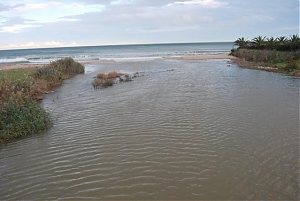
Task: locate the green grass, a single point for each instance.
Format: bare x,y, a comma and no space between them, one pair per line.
280,64
22,120
16,74
20,114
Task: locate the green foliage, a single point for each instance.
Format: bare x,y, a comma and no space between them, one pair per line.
16,74
67,66
14,91
291,66
270,56
107,83
281,43
20,114
18,120
241,42
280,64
49,73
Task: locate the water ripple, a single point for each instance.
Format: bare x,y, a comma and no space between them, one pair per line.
201,131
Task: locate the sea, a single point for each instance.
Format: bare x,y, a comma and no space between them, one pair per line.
114,52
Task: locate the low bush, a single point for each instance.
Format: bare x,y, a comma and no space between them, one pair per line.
50,74
271,56
18,120
291,66
67,66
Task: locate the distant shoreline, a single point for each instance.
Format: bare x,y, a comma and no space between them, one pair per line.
200,57
9,66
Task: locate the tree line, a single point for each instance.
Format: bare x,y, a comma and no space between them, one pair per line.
281,43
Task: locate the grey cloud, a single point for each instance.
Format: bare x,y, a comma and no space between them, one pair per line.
16,20
146,3
6,7
96,2
153,3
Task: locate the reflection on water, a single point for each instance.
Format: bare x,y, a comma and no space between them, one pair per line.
202,131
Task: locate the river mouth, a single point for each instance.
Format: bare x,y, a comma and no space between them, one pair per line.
202,131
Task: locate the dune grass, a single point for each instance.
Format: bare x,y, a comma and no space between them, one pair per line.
16,74
20,113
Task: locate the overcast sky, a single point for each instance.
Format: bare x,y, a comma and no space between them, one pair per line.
41,23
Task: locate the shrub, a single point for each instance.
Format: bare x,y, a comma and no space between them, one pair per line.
292,65
271,56
20,115
67,66
17,120
50,74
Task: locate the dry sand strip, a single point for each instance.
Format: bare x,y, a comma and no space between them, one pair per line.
201,57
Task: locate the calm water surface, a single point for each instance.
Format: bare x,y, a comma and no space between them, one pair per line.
202,131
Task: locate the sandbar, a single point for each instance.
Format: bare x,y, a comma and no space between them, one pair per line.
198,57
201,57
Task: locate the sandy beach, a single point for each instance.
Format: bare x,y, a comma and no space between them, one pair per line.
29,65
202,57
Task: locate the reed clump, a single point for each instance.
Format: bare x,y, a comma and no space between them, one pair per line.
67,67
20,113
104,80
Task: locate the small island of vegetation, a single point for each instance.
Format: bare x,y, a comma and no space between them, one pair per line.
279,54
20,113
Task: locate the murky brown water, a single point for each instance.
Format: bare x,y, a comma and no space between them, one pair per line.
202,131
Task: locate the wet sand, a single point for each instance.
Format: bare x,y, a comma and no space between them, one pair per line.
202,57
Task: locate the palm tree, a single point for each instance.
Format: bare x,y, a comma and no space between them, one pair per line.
241,42
271,43
281,43
281,40
294,42
259,42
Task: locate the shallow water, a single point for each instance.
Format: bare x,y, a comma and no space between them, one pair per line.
202,131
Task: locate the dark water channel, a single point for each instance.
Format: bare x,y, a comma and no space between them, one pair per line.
202,131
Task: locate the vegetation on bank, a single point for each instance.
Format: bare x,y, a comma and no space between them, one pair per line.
103,80
20,113
281,53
